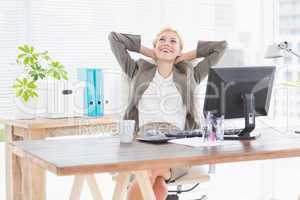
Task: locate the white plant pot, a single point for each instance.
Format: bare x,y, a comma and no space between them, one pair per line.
25,110
53,102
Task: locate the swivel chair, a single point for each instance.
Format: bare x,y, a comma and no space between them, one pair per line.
196,175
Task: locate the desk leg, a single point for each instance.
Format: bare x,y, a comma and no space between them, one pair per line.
26,184
94,188
13,168
77,187
121,186
34,177
145,185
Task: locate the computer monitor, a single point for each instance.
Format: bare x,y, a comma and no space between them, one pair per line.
239,92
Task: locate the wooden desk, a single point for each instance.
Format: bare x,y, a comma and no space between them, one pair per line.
93,155
20,174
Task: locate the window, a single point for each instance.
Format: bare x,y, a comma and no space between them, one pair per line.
298,52
75,32
288,29
288,59
12,27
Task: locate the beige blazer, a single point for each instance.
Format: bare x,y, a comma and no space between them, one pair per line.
141,72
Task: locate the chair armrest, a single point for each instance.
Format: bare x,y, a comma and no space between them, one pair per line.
195,174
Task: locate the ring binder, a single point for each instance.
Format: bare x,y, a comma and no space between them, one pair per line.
93,90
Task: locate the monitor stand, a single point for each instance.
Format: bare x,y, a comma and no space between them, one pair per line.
242,137
249,116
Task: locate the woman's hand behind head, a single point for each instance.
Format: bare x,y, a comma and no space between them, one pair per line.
147,52
179,59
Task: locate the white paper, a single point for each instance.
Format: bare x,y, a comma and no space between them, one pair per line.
194,142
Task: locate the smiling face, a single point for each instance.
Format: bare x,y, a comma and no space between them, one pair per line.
167,46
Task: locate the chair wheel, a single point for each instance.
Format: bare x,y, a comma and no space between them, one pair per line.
172,197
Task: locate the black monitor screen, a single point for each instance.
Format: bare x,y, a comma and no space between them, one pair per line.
226,85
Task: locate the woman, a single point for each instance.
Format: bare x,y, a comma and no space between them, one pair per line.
163,91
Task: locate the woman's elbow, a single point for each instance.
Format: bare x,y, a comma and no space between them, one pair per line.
221,47
224,45
112,36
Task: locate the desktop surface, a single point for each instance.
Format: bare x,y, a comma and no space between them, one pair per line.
96,155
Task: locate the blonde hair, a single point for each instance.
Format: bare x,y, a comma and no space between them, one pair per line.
165,29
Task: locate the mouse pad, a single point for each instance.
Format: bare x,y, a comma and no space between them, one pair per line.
156,140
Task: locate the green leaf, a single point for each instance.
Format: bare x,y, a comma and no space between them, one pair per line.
16,86
31,49
25,96
34,94
37,65
21,48
19,81
56,75
47,58
56,64
25,88
33,67
32,85
26,60
42,76
19,92
26,47
31,59
64,76
25,81
21,55
50,72
63,72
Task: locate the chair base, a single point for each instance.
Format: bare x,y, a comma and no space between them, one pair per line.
172,197
176,197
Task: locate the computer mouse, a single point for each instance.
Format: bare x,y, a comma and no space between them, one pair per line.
153,133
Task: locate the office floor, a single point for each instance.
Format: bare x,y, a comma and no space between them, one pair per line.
263,180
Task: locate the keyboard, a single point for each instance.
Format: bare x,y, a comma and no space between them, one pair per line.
233,131
185,134
198,133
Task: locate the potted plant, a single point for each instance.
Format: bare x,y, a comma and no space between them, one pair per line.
36,66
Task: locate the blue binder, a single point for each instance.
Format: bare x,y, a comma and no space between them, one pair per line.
93,99
99,92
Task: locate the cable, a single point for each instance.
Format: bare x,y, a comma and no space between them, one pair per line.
295,54
181,191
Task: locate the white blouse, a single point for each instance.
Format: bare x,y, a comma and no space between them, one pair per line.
162,102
